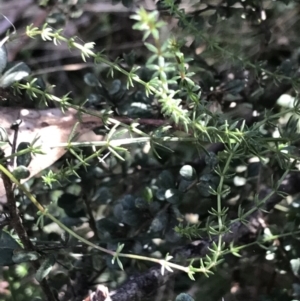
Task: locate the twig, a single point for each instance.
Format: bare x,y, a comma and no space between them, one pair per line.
21,232
92,222
15,127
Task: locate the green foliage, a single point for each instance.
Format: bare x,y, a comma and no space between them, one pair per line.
155,183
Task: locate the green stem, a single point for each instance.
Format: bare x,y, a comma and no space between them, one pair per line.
81,239
119,142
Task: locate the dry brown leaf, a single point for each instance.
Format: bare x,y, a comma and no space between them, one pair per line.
52,126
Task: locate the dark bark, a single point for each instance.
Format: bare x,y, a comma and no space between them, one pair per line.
16,223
